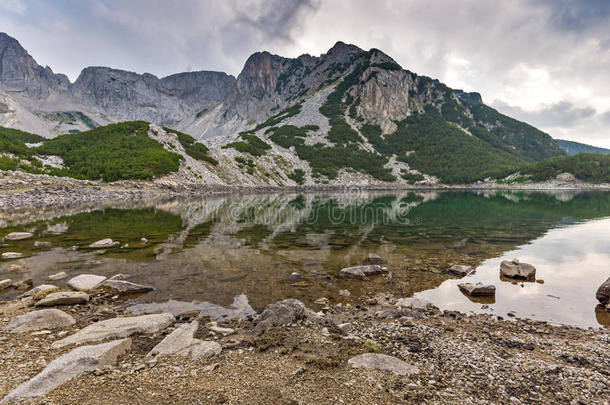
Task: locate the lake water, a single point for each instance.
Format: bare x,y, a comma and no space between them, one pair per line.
205,252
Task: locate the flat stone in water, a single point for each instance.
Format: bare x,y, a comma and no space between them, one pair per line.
86,282
117,328
382,362
461,270
362,272
478,289
64,298
103,243
124,287
18,235
68,366
518,270
58,276
11,255
38,320
40,288
6,283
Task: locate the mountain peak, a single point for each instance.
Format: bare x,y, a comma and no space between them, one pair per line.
341,48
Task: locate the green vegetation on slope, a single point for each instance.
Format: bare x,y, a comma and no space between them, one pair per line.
13,141
251,144
113,152
193,148
572,148
588,167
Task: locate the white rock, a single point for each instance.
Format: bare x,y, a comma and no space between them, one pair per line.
86,282
117,328
345,293
382,362
18,235
222,331
11,255
64,298
58,276
36,290
40,244
41,319
182,342
103,243
68,366
6,283
413,303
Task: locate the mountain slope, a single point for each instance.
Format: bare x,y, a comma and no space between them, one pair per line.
348,115
572,148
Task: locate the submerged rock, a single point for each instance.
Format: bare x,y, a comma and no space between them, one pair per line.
461,270
372,258
477,289
516,269
68,366
63,298
11,255
124,287
41,244
362,272
58,276
103,243
382,362
117,328
86,282
18,235
603,292
6,283
38,320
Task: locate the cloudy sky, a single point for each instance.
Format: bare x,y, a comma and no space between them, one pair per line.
546,62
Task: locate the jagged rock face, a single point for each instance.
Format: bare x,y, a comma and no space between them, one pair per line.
19,72
201,89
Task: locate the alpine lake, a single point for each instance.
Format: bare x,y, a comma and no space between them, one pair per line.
237,253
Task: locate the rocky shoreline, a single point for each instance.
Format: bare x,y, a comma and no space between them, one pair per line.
383,349
19,190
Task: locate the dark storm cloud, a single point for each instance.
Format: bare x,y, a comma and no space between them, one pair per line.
561,114
548,58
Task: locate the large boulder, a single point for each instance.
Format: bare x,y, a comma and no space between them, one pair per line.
461,270
68,366
518,270
478,289
38,320
86,282
18,235
281,313
362,272
603,292
382,362
117,328
64,298
182,342
124,287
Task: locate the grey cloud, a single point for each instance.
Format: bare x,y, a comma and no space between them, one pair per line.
560,114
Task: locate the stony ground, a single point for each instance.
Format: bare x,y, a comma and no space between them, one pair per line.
461,359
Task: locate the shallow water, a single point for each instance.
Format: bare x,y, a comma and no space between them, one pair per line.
210,250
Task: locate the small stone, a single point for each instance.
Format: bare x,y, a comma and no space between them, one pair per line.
222,331
345,327
413,303
144,240
345,293
63,298
6,283
321,301
58,276
86,282
124,287
18,235
40,244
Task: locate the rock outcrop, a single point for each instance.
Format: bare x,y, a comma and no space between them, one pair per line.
515,269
